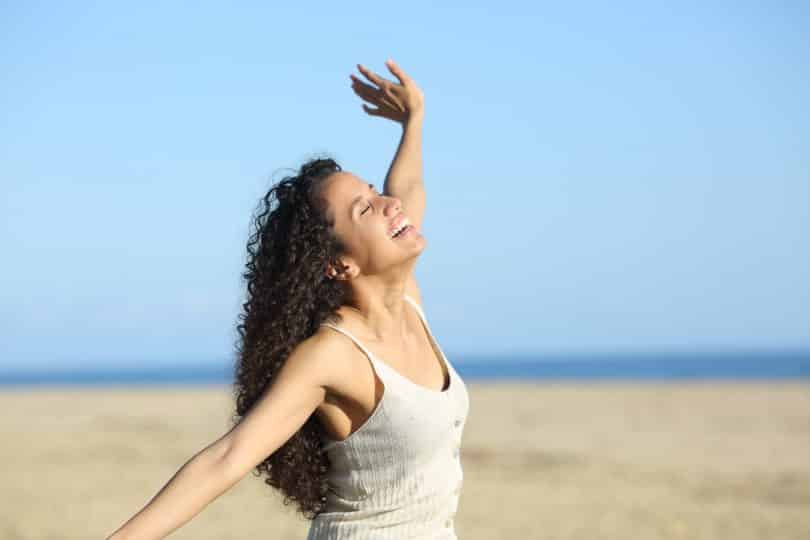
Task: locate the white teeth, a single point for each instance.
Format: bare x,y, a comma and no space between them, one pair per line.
405,223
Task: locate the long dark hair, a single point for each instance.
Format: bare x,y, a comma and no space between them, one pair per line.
288,296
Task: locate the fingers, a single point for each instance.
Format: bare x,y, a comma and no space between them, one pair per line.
370,75
376,96
386,98
393,99
384,113
397,71
376,100
360,86
372,112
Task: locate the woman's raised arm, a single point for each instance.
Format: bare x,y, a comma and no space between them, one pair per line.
404,103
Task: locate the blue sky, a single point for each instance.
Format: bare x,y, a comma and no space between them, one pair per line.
600,177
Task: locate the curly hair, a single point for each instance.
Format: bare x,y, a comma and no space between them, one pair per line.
288,296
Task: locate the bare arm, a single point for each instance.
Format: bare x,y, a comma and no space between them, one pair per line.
403,103
404,181
296,391
404,178
199,481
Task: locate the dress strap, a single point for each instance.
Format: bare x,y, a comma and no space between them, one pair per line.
417,307
363,347
354,339
435,344
421,313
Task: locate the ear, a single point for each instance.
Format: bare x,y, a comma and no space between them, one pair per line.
348,273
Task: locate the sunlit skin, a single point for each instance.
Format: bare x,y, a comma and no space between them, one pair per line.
378,264
313,378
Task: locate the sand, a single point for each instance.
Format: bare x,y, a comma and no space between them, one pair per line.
562,460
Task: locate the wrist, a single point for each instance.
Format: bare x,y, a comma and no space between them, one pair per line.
414,119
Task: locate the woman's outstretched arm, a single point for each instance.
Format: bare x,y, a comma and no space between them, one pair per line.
199,481
291,398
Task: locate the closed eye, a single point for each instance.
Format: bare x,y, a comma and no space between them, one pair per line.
371,186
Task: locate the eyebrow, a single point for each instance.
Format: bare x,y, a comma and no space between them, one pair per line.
357,200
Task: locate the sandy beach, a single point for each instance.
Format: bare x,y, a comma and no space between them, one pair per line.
548,460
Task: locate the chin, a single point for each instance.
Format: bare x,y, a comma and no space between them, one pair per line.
421,247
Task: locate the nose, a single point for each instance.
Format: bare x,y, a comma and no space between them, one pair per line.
393,206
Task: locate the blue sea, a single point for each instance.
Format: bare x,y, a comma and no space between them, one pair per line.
781,364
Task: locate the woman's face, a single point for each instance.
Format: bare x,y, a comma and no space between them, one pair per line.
364,220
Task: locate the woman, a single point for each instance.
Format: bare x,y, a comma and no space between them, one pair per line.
344,400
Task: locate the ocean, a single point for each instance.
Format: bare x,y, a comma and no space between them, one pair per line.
791,364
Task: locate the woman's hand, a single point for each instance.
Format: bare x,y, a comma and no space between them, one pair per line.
397,102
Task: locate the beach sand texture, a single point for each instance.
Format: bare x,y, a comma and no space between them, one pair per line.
547,460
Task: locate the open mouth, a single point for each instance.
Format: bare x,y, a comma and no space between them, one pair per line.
402,228
403,231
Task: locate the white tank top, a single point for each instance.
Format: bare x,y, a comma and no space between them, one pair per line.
399,474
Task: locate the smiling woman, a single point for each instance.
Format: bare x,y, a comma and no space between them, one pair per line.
362,445
366,228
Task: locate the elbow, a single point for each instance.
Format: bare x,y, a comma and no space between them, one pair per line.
238,460
224,460
231,467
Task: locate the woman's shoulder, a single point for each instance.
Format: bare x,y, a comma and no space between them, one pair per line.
339,357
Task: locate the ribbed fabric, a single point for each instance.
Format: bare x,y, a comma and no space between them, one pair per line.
399,475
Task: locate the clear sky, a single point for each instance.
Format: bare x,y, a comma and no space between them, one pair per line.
600,176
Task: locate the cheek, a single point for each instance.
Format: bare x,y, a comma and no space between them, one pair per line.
361,239
372,240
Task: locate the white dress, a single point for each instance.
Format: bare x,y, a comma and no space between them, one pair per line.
399,475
